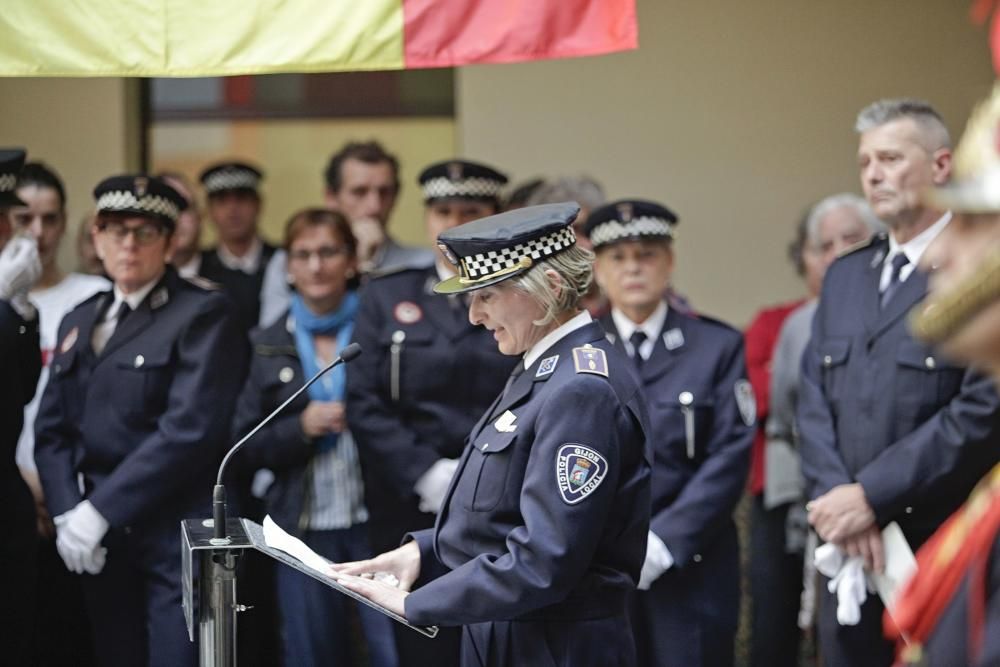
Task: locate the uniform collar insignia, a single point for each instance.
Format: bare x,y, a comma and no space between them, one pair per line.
159,298
546,366
673,339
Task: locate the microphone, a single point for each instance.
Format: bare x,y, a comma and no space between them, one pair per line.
349,353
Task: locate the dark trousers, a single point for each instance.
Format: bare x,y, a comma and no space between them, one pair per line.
62,629
135,601
775,589
861,645
18,546
601,642
316,620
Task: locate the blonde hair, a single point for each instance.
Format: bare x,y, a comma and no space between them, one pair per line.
575,267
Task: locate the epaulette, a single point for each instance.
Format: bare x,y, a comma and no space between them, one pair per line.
590,359
203,283
861,245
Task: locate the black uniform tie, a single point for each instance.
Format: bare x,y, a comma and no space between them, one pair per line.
637,338
898,262
514,374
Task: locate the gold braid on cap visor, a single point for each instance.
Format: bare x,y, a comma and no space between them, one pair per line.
941,316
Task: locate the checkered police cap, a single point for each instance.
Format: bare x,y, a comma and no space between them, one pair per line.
461,179
231,176
502,246
11,162
139,195
629,220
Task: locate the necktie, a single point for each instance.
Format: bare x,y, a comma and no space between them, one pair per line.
637,338
514,374
898,262
106,329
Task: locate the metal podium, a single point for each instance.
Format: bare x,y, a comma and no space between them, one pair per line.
209,585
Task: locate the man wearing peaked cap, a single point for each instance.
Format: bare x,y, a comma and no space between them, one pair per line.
692,372
20,267
949,612
132,424
426,376
542,531
239,260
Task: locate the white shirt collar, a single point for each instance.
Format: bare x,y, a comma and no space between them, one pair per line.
554,336
651,327
191,268
133,300
913,249
248,263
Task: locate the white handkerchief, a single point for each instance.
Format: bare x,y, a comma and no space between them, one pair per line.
276,538
505,423
900,565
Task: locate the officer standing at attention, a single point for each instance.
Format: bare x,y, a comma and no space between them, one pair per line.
425,377
542,532
890,430
20,268
239,260
701,412
133,423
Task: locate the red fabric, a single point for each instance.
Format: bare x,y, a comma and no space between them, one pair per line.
446,33
960,548
239,90
760,338
981,10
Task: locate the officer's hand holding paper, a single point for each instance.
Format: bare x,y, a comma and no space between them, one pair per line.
362,576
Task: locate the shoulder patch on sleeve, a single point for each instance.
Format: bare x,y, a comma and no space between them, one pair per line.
746,401
579,471
589,359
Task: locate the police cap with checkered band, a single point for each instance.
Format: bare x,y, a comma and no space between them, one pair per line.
502,246
229,176
629,220
138,194
11,161
460,179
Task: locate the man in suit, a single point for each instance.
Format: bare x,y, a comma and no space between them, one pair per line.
239,260
21,361
133,422
890,430
692,373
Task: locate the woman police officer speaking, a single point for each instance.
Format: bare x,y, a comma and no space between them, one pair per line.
543,529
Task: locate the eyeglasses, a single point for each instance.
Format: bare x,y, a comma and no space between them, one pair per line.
146,233
325,254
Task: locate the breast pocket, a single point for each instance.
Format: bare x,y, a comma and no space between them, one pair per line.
484,479
415,366
684,428
142,382
924,381
834,354
66,369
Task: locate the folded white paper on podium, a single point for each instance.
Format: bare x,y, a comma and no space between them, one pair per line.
276,538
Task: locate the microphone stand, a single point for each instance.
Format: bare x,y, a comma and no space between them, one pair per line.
209,579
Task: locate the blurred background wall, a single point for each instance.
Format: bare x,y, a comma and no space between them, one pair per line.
737,115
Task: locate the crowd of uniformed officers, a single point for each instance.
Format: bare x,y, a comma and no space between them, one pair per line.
544,440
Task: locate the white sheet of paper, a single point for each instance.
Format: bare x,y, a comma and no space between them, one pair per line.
900,564
276,538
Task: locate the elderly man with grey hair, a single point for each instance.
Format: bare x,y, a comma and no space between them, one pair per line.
778,534
890,432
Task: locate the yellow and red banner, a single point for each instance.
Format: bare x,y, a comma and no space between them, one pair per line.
228,37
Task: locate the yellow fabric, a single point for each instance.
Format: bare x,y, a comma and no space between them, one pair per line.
197,37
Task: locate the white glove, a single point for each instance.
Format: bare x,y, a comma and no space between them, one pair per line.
78,538
847,581
20,267
658,560
433,484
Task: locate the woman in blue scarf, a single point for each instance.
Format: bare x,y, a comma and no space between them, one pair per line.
317,491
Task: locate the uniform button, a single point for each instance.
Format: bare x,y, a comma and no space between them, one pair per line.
696,558
58,368
139,360
930,363
127,530
909,510
486,446
398,336
22,329
685,398
827,360
286,374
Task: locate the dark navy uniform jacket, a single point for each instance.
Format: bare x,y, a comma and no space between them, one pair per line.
281,446
425,377
147,421
510,545
694,491
22,363
880,408
243,288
